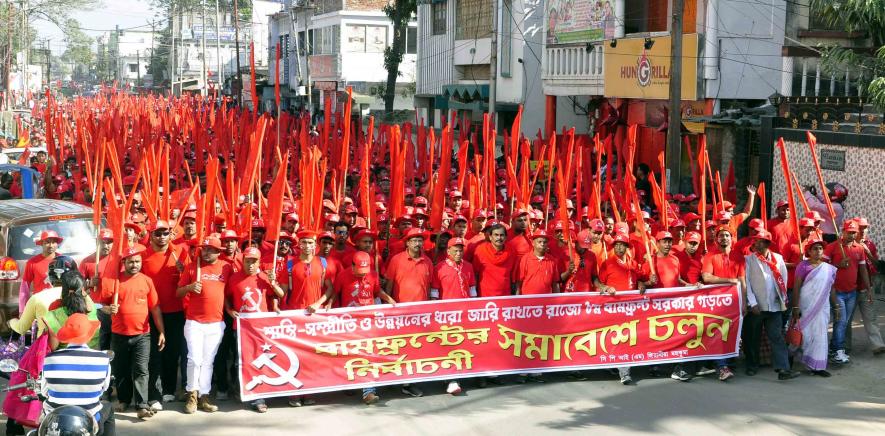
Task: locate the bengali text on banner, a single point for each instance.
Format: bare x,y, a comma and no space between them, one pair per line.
295,353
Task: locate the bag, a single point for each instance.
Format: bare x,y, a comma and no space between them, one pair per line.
794,335
27,413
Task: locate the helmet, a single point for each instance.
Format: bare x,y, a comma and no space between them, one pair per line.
837,191
59,266
68,421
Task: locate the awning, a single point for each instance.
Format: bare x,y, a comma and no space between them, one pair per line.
362,98
467,92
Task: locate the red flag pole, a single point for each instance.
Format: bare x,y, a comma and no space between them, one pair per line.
812,143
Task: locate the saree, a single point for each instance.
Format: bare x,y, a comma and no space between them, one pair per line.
814,303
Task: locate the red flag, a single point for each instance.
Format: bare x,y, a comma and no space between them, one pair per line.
730,188
791,200
275,200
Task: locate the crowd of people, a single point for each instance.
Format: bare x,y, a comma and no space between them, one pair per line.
163,312
168,310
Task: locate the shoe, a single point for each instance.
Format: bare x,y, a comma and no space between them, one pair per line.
206,406
156,406
453,388
681,375
307,401
821,373
725,373
655,372
751,371
495,380
168,398
412,391
705,370
626,380
787,374
120,407
522,378
295,402
221,396
190,402
578,375
145,413
840,357
370,398
259,406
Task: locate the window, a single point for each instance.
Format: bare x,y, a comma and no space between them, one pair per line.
133,68
324,40
411,40
506,42
365,39
474,19
438,14
284,58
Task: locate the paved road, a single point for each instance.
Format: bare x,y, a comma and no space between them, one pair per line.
851,402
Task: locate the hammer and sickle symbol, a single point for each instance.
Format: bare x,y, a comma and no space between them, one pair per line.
283,376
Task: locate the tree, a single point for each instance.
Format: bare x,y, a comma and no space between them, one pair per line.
857,15
399,12
79,47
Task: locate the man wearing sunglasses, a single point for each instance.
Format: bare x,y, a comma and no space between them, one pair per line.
163,263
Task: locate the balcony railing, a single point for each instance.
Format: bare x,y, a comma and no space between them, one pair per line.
568,68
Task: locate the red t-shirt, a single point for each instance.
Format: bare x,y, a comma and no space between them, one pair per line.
472,244
341,255
623,275
537,275
586,269
307,280
453,280
208,305
667,269
248,293
164,268
690,266
87,270
356,291
791,254
495,269
36,271
520,245
235,261
411,277
847,279
722,265
136,297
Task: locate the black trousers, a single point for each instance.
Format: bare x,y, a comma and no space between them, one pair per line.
168,361
130,368
226,358
752,337
104,332
154,364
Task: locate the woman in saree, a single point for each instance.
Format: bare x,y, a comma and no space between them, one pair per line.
812,295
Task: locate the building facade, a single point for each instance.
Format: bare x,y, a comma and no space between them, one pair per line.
129,56
339,43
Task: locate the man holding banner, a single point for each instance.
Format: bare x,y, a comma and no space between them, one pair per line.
717,267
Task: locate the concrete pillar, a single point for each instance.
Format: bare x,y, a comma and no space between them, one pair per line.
549,115
787,77
619,18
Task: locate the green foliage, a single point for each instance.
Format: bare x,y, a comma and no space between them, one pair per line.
857,15
399,12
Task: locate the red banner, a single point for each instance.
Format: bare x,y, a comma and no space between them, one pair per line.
294,353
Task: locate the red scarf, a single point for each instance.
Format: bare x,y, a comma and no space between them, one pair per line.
776,273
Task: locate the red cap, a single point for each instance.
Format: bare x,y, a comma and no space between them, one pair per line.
307,234
455,194
212,242
133,226
325,235
850,226
711,224
132,251
332,217
540,234
726,205
106,235
724,228
781,204
489,223
160,224
679,197
350,210
723,215
415,232
292,217
479,213
806,222
421,201
364,234
693,237
190,215
521,212
584,240
329,205
251,253
456,241
229,234
862,222
409,190
380,207
596,225
362,262
382,218
460,218
403,218
620,237
764,235
690,216
677,223
78,329
286,236
258,223
219,219
420,211
756,224
537,199
47,235
814,241
814,215
663,234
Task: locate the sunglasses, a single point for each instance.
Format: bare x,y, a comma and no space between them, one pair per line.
341,232
160,234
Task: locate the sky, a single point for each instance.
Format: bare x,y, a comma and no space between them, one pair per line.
125,13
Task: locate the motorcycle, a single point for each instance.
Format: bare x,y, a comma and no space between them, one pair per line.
65,420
